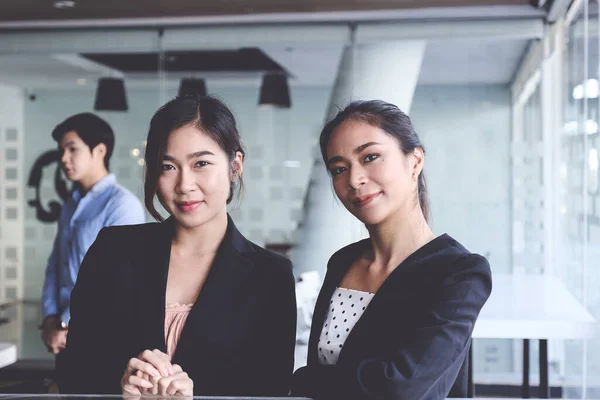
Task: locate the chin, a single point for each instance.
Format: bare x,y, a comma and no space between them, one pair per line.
193,220
189,221
370,217
73,178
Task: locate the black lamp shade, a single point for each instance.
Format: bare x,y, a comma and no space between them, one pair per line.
110,95
192,86
274,91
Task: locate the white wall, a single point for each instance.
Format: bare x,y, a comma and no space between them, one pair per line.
466,131
11,193
274,193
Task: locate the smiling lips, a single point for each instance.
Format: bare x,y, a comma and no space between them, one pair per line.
188,205
362,201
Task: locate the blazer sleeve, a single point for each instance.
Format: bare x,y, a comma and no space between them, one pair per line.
87,363
272,358
416,369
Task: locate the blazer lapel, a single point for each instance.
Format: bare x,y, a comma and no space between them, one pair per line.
210,317
150,280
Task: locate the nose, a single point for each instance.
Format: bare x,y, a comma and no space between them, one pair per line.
357,177
64,157
186,182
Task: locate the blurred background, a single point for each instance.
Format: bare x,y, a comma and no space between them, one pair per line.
504,94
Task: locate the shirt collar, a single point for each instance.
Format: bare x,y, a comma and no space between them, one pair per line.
98,188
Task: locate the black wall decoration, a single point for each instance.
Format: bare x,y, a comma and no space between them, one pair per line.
60,185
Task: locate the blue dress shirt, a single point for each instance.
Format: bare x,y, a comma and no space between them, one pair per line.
82,217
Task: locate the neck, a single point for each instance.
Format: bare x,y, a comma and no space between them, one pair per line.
396,238
201,240
88,182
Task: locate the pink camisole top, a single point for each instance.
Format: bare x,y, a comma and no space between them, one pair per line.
175,316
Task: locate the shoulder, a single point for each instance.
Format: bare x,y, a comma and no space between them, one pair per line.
348,254
125,235
119,196
460,268
268,267
268,260
456,257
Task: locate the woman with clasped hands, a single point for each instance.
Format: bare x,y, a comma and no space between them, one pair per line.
186,306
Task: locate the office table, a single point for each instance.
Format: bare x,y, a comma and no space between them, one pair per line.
107,397
117,397
8,354
532,307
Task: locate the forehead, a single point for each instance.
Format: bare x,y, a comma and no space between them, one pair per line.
352,133
70,137
189,139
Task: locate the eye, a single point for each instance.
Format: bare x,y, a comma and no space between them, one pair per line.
167,167
337,171
371,157
201,164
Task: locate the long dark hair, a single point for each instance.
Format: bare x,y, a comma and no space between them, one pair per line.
392,121
205,113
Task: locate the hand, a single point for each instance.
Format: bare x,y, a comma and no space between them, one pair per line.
54,339
143,372
179,383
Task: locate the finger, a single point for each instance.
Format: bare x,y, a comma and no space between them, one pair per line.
144,376
163,384
154,390
154,380
137,381
173,388
127,389
162,355
166,382
165,358
182,387
179,386
176,368
157,361
135,364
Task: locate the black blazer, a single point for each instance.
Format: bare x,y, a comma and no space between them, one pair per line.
238,339
412,340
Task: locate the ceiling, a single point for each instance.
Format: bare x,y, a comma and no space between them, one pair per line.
240,60
445,62
471,61
39,10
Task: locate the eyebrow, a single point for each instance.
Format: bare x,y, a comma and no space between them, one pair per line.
357,150
197,154
69,143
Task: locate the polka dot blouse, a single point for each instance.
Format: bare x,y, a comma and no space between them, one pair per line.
345,309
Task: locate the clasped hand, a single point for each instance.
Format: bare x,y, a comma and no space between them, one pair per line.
151,372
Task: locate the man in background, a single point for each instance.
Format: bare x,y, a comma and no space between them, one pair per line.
86,143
